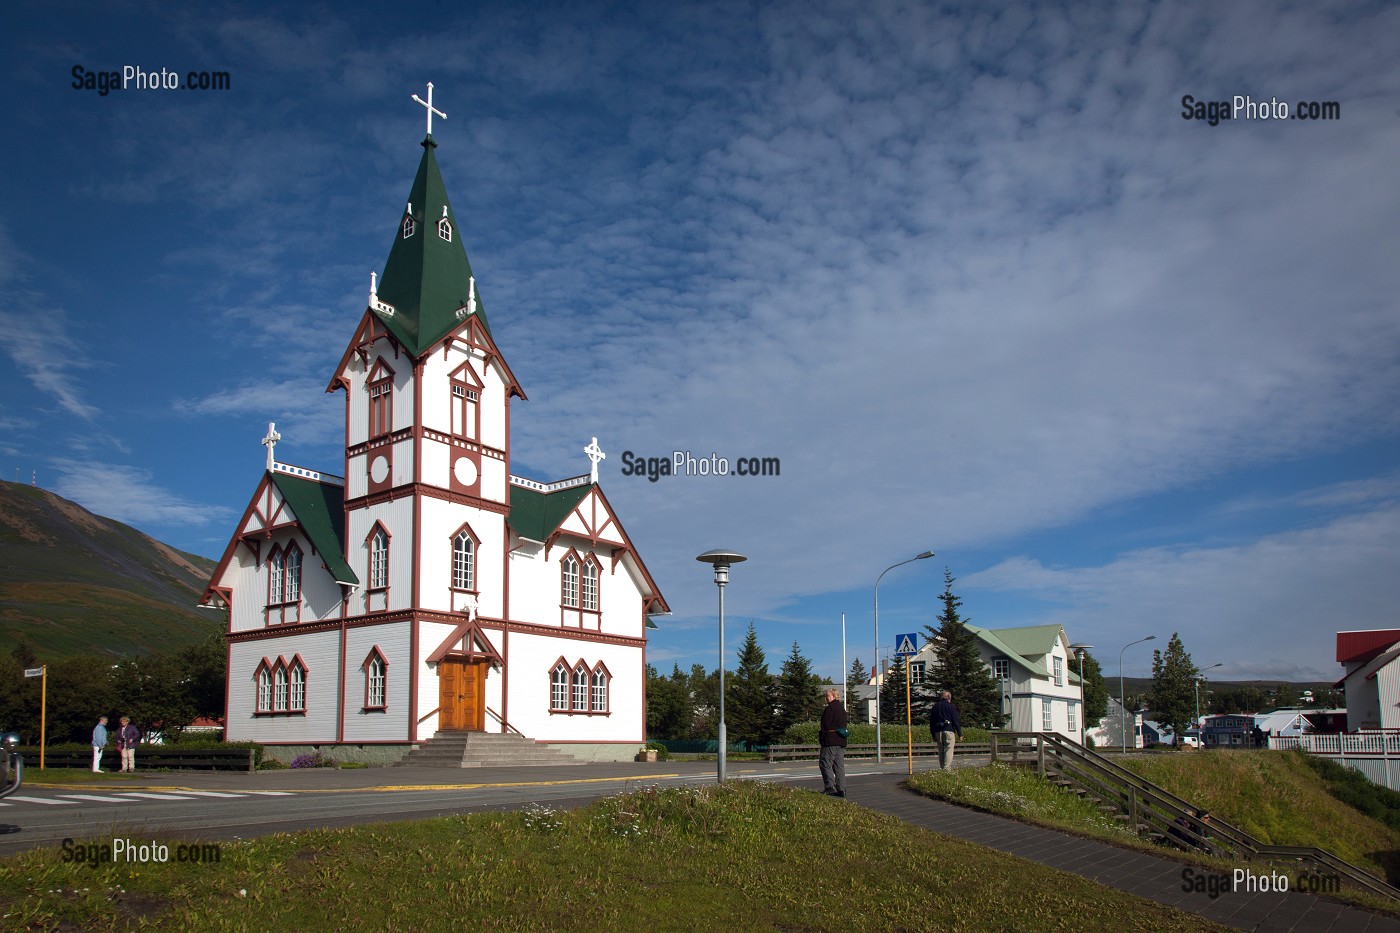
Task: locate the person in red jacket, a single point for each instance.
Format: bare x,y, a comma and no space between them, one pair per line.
833,742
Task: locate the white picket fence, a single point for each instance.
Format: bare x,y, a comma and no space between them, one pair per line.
1375,754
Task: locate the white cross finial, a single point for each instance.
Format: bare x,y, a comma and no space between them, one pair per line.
595,454
270,442
431,109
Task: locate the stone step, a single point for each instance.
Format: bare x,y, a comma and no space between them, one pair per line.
485,750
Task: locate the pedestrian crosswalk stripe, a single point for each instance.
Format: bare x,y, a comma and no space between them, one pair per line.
137,793
94,797
52,803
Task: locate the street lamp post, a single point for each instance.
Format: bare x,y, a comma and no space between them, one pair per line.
721,560
879,748
1079,648
1198,698
1123,697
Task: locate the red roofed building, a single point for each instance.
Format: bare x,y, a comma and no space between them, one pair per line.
1372,679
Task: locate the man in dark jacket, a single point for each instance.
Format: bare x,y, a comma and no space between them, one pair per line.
944,723
833,743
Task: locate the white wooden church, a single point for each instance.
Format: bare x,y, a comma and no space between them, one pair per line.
429,589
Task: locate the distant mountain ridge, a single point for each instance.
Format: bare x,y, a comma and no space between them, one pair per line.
74,583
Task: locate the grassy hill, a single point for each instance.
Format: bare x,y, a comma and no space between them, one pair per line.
1277,797
73,583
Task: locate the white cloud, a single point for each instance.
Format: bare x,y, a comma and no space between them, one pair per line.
129,495
1270,607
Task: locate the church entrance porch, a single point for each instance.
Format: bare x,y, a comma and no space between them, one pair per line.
461,695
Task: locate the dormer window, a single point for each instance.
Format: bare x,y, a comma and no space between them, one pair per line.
408,227
445,229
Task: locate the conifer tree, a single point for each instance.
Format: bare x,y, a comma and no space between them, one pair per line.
892,694
856,678
799,693
958,667
749,696
1173,698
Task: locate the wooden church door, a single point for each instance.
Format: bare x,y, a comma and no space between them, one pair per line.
461,695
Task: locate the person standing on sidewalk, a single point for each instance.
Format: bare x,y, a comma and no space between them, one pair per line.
945,724
832,760
99,742
128,737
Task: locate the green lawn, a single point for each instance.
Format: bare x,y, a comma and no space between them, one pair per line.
742,857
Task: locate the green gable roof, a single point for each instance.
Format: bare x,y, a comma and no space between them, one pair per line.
1023,644
426,278
319,509
535,515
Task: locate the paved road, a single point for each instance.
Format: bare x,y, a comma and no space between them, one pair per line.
231,806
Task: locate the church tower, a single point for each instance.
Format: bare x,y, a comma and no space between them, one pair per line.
429,590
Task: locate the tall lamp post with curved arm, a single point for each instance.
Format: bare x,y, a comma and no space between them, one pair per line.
879,749
1123,697
721,559
1079,648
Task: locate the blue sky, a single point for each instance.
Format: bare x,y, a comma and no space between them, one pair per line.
967,271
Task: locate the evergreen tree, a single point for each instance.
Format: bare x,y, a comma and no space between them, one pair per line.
1095,690
669,712
957,665
749,696
892,694
1173,697
799,694
703,688
856,678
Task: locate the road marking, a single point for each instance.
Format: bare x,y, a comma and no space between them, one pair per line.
43,800
155,796
211,793
94,797
272,793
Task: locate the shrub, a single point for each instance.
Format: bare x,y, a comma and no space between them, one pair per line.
311,760
272,764
662,754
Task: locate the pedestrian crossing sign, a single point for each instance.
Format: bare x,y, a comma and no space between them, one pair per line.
906,645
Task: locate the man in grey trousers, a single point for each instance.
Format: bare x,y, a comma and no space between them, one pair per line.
833,743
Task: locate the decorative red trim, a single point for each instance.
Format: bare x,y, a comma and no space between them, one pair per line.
421,615
430,492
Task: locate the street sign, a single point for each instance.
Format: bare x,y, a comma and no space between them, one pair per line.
906,645
33,672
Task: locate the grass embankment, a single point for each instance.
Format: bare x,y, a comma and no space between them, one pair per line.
1277,797
1019,792
745,856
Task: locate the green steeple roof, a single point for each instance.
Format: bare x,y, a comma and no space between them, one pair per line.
427,279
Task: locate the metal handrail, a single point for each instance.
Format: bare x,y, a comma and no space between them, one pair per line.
497,716
1145,802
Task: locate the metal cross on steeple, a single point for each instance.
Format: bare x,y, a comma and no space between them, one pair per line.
595,453
431,109
270,442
